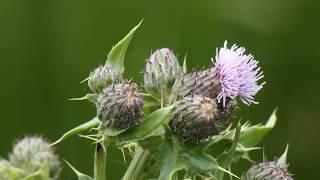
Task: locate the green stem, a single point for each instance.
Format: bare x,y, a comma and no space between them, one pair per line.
230,154
137,164
100,158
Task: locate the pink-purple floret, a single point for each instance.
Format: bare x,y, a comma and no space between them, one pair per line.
238,74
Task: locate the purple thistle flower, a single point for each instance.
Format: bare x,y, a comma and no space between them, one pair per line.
238,74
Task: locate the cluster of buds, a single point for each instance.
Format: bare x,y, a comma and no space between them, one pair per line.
31,156
204,100
233,75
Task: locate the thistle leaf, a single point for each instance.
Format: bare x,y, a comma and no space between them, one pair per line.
95,122
172,156
148,125
233,146
251,136
150,103
80,175
118,52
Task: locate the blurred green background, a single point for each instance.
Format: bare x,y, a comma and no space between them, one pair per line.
48,47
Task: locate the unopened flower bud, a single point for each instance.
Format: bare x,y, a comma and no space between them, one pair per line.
102,76
119,106
161,71
196,118
32,154
268,171
202,83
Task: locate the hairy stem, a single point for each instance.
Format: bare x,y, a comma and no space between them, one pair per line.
100,160
137,164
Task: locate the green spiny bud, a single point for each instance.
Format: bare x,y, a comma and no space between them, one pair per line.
119,106
200,82
32,154
161,71
103,76
268,171
196,118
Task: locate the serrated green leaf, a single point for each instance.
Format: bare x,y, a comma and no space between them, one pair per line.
251,136
167,158
172,156
148,125
95,122
80,175
117,54
150,103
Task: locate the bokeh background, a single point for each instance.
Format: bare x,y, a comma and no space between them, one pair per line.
48,47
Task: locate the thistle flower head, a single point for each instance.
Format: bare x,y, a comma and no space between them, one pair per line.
197,117
268,171
238,74
34,153
161,71
103,76
119,106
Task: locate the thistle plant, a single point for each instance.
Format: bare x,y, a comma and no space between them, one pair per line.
32,158
177,125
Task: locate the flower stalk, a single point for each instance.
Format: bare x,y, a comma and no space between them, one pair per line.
137,164
100,158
